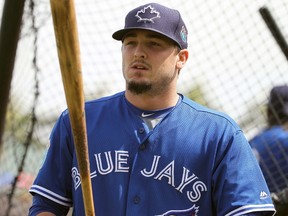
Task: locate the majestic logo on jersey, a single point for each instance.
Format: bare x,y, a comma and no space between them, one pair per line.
193,211
147,14
263,195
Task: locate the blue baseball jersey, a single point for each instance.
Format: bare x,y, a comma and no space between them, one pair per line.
195,161
271,148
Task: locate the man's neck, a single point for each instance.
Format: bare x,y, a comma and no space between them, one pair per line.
148,102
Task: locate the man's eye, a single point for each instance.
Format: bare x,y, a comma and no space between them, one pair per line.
129,43
153,43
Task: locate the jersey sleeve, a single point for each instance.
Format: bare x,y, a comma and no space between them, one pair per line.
239,186
54,178
42,204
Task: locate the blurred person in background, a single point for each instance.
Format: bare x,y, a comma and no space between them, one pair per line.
271,148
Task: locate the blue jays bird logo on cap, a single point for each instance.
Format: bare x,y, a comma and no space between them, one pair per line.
147,14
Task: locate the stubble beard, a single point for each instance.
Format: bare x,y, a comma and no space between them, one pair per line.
152,89
139,88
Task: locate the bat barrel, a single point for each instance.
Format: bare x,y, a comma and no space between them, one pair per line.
65,28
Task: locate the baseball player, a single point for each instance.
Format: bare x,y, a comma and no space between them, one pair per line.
271,148
152,150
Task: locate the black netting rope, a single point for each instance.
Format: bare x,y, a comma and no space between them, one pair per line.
29,137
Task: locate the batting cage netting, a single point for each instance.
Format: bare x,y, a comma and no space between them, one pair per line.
233,64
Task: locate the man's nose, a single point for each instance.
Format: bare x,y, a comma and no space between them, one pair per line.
139,52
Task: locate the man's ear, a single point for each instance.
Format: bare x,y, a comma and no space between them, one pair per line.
182,58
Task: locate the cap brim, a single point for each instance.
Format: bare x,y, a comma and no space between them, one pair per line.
118,35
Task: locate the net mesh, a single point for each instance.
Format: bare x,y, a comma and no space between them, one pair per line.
234,62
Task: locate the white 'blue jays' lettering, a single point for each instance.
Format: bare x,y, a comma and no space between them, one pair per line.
121,165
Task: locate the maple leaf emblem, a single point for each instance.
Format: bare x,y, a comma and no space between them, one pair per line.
147,14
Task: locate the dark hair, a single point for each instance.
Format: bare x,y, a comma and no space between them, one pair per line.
277,110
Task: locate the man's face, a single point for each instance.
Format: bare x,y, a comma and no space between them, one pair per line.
149,62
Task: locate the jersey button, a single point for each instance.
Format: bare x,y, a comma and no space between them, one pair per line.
141,130
136,199
142,147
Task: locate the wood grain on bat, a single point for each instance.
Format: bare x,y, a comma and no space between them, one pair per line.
65,28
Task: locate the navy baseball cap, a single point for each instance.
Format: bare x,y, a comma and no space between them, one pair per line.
279,99
157,18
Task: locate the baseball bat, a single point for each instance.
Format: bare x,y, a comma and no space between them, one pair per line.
66,34
274,29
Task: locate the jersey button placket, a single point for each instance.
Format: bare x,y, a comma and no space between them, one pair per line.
141,130
136,199
142,136
142,146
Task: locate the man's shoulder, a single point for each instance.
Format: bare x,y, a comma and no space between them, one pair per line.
208,113
114,100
